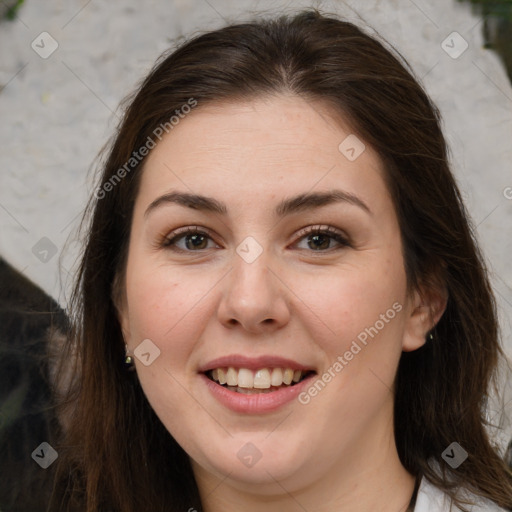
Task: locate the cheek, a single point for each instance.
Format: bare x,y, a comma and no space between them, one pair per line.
166,305
350,301
358,323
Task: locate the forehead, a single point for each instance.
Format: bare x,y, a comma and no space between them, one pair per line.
266,146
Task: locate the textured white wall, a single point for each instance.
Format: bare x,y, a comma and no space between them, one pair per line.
58,112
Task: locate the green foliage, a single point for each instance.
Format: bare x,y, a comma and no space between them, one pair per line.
9,9
499,8
497,27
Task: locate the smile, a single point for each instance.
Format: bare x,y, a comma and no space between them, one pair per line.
263,380
255,385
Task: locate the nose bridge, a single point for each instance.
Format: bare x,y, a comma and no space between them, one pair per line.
253,297
253,278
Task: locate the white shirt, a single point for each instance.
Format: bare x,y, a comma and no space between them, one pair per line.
433,499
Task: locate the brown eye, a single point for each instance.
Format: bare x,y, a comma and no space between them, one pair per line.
321,239
196,241
319,242
189,240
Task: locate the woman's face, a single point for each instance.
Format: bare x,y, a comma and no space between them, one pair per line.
265,248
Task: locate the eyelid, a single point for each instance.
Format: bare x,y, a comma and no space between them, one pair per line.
341,240
173,236
320,228
339,236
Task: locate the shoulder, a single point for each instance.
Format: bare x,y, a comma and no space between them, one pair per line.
433,499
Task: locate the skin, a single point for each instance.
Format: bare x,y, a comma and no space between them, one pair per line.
337,452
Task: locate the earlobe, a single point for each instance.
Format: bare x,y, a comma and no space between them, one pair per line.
426,310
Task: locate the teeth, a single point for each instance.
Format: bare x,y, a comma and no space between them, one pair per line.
277,377
249,391
244,391
245,378
232,377
263,379
288,376
222,376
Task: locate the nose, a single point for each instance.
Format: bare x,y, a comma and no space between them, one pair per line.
253,298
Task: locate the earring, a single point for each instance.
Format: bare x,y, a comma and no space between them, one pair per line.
128,360
430,337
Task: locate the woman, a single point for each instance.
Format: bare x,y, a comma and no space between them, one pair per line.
279,246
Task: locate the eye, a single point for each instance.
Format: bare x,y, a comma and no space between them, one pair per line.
321,239
189,239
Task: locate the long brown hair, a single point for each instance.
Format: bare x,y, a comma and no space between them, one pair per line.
117,455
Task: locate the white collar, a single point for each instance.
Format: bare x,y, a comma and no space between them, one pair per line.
433,499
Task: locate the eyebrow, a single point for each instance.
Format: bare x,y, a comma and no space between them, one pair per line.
295,204
312,200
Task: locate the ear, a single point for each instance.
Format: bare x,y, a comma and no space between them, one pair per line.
427,305
118,297
122,317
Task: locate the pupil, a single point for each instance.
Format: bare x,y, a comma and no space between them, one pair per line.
321,241
195,241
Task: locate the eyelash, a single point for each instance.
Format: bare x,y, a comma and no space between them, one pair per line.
173,237
170,240
329,231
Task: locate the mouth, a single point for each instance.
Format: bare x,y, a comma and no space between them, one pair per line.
260,381
255,385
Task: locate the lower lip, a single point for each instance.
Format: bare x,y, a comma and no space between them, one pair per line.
257,403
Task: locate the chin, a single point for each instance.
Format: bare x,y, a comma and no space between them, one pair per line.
257,460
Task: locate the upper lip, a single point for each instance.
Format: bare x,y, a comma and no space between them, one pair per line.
253,363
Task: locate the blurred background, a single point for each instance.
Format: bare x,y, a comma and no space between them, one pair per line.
66,64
